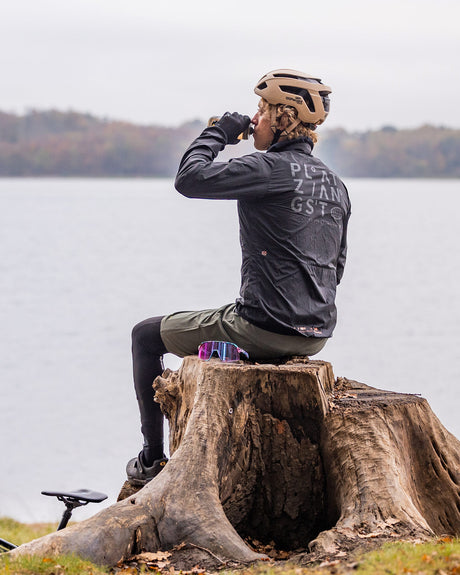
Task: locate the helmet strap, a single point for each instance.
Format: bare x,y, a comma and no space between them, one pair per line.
278,133
289,129
276,137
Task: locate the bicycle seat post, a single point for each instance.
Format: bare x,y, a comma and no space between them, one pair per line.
65,517
70,505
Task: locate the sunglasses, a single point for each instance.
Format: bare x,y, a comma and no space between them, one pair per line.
225,351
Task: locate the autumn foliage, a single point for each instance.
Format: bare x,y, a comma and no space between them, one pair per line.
425,152
55,143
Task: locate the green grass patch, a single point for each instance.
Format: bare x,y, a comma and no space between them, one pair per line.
19,533
436,557
441,556
62,565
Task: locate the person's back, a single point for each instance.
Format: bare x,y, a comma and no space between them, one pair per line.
293,244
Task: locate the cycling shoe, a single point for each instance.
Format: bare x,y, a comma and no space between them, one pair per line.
139,474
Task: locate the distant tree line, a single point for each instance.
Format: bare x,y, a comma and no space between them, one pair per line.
55,143
425,152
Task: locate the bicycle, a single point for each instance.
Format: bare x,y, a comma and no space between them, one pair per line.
71,500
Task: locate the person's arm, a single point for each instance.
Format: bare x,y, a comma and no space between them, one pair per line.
343,250
200,177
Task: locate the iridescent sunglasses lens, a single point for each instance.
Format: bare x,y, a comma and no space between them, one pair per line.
225,351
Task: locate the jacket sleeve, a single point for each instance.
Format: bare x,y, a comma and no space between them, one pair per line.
240,178
343,249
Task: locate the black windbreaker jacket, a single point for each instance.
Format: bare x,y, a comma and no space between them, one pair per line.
293,214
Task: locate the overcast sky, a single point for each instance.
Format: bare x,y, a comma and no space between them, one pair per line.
388,62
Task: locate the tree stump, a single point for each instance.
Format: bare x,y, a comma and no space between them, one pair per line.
283,453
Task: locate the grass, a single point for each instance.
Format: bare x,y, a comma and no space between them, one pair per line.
440,557
437,557
19,533
62,565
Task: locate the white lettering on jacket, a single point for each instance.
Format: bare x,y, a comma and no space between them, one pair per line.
320,196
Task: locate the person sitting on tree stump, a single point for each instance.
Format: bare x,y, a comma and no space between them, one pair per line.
293,215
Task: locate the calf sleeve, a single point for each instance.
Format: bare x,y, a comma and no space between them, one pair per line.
148,350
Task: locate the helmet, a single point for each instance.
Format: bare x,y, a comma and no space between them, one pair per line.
302,91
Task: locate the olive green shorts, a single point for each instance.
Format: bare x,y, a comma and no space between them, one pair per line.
183,331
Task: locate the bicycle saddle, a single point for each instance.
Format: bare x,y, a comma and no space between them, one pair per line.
85,495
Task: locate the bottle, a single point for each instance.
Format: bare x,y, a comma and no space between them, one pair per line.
243,136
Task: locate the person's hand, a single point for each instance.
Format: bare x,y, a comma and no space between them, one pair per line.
233,125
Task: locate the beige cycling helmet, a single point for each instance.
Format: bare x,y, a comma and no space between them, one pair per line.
303,92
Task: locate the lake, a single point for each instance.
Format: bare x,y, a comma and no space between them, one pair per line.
83,260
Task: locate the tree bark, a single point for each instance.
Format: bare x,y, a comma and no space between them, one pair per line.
283,453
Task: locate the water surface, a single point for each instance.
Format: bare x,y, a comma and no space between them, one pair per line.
82,261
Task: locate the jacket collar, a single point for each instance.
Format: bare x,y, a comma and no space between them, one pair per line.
302,144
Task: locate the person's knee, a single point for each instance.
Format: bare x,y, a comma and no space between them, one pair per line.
146,336
138,335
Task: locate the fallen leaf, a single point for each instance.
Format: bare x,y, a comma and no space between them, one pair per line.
427,558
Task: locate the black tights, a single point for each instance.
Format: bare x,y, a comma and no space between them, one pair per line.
148,350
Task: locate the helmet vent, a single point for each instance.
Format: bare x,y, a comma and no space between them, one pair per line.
262,86
285,75
326,101
297,77
304,94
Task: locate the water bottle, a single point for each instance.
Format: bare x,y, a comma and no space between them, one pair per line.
243,136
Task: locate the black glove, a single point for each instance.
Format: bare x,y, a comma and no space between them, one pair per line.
233,125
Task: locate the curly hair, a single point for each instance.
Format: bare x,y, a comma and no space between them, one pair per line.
285,115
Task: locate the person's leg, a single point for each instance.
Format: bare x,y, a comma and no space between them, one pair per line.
147,350
182,333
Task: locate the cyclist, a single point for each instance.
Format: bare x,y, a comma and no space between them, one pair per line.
293,214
